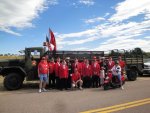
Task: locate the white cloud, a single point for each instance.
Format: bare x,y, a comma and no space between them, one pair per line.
89,32
82,41
80,49
20,13
130,8
125,29
87,2
119,34
93,20
124,44
115,34
107,14
9,31
52,2
147,37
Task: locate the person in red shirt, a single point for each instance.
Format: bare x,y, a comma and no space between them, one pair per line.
83,63
51,65
70,71
110,63
57,65
122,64
63,75
95,72
87,75
109,74
76,79
77,65
43,71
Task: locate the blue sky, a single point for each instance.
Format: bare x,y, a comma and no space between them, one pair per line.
77,24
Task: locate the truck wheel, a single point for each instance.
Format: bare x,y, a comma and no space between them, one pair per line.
12,81
132,76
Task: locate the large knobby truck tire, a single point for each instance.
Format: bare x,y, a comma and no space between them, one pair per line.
132,75
13,81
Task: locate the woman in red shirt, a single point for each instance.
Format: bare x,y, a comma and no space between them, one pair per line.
95,73
77,65
87,75
63,75
51,65
110,63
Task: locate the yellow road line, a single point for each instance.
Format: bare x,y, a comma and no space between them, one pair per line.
116,106
124,107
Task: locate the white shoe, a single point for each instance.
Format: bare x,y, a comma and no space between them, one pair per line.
80,88
40,90
122,87
44,89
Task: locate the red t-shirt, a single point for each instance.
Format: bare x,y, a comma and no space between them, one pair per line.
110,64
43,67
51,67
95,68
122,64
109,74
63,71
57,65
78,66
75,76
87,70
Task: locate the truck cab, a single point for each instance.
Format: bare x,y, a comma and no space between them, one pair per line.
16,70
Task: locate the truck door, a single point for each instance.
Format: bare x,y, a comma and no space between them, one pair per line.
31,63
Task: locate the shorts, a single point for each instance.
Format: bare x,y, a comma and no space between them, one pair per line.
43,77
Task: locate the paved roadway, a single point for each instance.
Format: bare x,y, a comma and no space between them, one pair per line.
28,100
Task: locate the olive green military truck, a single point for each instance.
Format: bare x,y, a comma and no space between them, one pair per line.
15,71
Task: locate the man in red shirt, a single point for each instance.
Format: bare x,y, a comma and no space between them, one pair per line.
43,71
63,75
76,79
95,72
87,75
51,65
57,65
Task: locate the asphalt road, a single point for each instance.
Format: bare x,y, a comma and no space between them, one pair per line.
28,100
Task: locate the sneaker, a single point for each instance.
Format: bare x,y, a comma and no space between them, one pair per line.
44,89
80,88
122,87
40,90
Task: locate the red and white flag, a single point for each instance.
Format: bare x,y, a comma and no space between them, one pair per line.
52,41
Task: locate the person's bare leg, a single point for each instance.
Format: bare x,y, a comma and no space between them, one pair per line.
80,84
40,86
44,86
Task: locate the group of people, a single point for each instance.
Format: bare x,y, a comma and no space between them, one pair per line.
66,74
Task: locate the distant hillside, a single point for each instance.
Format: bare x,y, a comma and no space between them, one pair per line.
11,57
